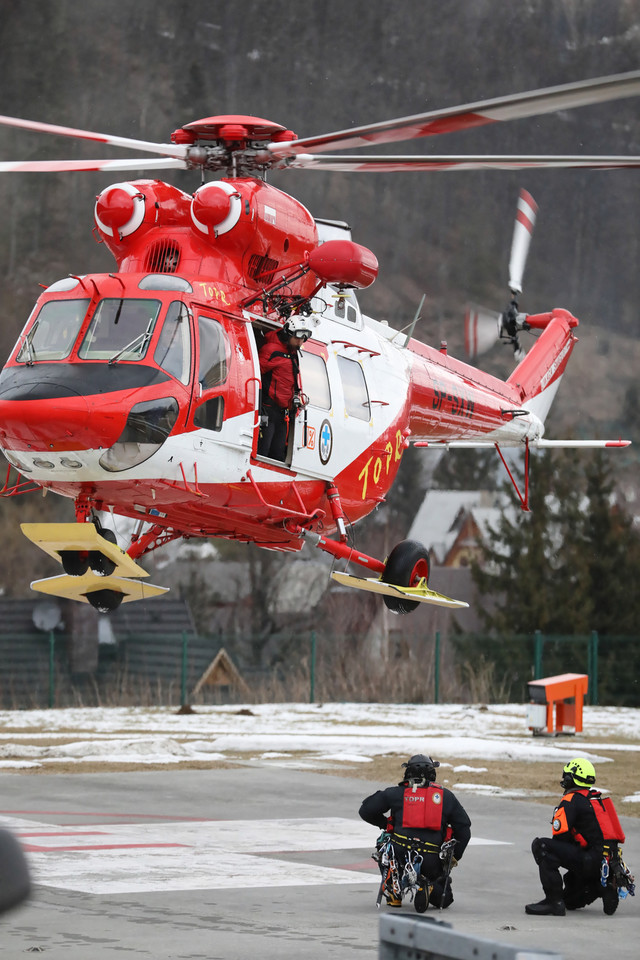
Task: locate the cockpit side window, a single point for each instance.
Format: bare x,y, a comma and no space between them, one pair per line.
54,332
120,330
214,353
173,349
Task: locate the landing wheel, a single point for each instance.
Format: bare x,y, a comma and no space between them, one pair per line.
75,563
408,563
105,601
100,564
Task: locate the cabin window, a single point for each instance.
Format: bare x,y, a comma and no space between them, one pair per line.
214,353
210,414
162,281
356,395
315,380
120,330
345,310
54,332
172,352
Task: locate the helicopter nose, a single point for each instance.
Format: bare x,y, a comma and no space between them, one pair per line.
63,421
41,425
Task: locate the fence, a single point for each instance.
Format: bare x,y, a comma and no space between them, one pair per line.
612,664
35,670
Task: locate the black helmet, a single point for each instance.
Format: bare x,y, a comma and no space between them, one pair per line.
420,767
578,773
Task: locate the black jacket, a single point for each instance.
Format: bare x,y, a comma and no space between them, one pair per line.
574,821
374,810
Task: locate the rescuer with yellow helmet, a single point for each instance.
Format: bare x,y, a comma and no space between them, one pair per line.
583,826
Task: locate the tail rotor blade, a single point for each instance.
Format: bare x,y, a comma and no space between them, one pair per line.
481,330
522,233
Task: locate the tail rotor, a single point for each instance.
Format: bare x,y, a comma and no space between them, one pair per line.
483,327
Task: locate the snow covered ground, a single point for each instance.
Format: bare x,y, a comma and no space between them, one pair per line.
308,736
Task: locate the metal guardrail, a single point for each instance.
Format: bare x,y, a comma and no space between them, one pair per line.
425,938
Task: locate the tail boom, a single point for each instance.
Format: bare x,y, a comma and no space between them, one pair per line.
541,370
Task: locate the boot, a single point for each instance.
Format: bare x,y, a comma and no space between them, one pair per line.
609,899
421,899
545,908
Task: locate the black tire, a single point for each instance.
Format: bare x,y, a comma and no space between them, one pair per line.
75,563
105,601
408,562
100,564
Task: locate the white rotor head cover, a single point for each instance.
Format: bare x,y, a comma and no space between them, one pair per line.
522,233
216,207
119,209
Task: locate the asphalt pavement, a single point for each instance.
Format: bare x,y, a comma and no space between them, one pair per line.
261,861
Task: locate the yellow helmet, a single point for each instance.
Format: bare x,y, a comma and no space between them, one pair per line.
579,773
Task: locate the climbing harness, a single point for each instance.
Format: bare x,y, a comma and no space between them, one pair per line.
400,859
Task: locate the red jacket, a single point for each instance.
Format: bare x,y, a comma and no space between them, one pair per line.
279,369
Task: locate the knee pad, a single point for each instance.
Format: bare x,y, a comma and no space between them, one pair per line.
539,849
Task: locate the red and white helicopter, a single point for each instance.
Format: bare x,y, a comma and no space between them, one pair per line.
138,392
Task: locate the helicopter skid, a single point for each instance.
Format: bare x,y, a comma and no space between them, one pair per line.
80,537
421,593
79,588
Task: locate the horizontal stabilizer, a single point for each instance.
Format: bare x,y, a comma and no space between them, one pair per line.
534,444
421,592
80,537
78,588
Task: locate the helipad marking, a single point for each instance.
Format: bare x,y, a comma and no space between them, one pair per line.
202,855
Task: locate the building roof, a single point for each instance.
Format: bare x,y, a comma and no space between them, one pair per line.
437,522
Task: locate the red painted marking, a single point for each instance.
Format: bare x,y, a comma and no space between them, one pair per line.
84,813
64,833
364,865
33,848
463,121
526,196
522,218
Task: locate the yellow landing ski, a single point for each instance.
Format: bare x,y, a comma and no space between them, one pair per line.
78,537
79,588
421,592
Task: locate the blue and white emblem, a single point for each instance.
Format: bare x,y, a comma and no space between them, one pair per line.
326,441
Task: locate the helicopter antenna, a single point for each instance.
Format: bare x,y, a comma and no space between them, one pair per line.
415,320
410,326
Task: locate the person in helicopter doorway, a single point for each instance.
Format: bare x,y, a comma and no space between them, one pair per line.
586,833
425,832
280,368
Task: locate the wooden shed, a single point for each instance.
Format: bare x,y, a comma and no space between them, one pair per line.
221,672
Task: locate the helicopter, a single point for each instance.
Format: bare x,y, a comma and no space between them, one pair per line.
138,393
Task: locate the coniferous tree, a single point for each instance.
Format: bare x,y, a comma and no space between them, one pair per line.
568,566
613,556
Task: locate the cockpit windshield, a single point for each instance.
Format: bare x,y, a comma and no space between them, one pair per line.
54,332
120,330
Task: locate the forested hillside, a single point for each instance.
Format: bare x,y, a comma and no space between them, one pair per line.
143,68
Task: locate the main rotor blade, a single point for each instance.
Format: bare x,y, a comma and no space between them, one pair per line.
448,120
55,166
391,164
167,149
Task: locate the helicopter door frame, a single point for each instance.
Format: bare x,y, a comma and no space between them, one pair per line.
311,442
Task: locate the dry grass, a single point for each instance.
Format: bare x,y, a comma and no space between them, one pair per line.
538,781
619,777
